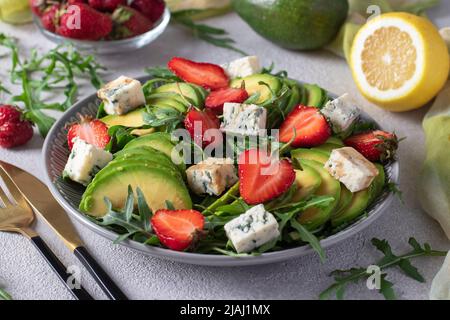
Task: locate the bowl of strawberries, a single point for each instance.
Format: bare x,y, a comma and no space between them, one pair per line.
101,26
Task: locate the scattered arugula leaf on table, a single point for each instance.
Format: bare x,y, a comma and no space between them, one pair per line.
343,278
58,69
4,295
215,36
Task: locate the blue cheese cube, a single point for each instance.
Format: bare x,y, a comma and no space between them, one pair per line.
121,95
243,67
341,113
85,160
252,229
211,176
351,168
244,119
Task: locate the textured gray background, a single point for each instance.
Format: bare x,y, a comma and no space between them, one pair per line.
24,274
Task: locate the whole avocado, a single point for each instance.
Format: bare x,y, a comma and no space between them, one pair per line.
294,24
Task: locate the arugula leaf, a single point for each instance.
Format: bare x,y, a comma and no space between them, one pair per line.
344,277
157,117
4,295
126,219
57,69
120,136
215,36
162,73
310,238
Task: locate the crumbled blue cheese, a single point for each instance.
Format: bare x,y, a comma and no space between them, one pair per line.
351,168
242,67
244,119
341,113
211,176
121,95
85,160
252,229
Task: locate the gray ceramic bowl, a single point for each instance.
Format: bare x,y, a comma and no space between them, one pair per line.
55,155
113,46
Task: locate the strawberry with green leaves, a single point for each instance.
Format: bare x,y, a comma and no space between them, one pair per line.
376,145
129,23
90,25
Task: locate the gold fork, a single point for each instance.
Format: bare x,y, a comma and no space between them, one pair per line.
18,217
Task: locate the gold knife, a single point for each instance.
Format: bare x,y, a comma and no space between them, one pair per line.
41,200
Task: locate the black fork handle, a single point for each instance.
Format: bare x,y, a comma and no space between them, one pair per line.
101,277
79,293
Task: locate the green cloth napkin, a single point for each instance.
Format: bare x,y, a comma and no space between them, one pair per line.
434,191
358,15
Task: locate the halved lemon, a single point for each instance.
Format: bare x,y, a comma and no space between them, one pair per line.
399,61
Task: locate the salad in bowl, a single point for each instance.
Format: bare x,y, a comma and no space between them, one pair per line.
232,159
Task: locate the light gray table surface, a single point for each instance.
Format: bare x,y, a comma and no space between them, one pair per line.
25,275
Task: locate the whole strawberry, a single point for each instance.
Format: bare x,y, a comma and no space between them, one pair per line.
14,130
375,145
38,6
90,25
129,23
92,131
50,18
106,5
152,9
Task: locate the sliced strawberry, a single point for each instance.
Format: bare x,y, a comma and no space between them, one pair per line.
375,145
207,75
263,178
198,122
216,99
308,125
177,229
92,131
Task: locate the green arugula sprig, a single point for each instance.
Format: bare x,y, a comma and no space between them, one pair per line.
135,226
343,278
120,136
215,36
4,295
169,119
57,69
162,73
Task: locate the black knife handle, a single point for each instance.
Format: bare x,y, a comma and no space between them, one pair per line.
101,277
59,268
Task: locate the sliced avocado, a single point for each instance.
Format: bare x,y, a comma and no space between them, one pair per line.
344,200
361,200
310,154
142,132
132,119
336,141
201,92
171,96
354,209
294,99
327,147
304,96
157,186
144,152
308,181
183,89
313,218
378,183
167,102
252,85
315,95
121,164
159,141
